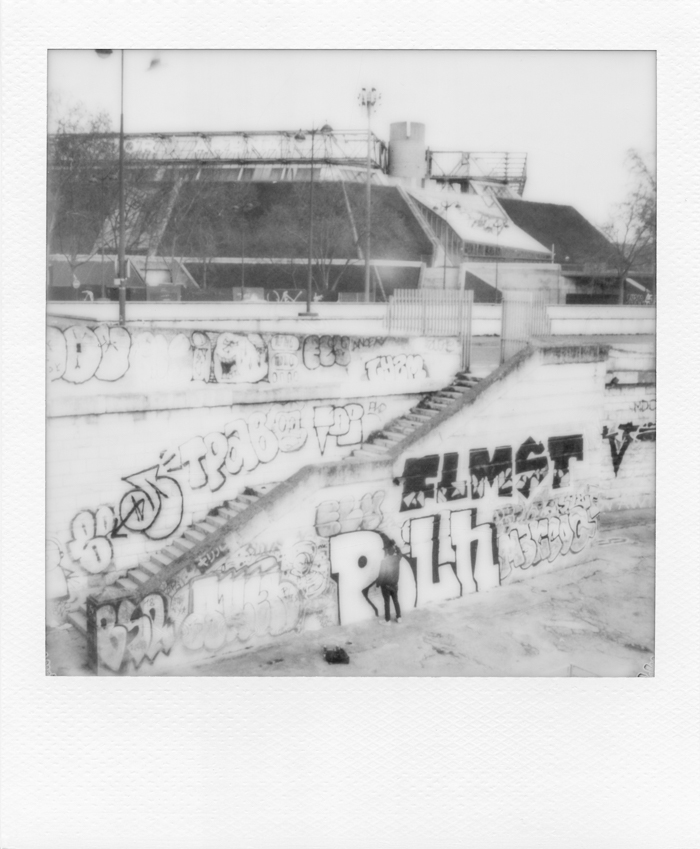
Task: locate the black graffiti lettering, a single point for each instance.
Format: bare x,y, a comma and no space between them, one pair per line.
618,450
530,469
416,489
561,450
498,470
450,489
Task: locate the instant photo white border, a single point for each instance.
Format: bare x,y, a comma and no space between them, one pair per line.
294,762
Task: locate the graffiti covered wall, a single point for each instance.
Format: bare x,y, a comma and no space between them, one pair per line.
506,486
109,359
121,486
151,427
320,564
628,434
467,513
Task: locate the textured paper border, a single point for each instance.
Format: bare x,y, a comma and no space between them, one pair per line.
363,762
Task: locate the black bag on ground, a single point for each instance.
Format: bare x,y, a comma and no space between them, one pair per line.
335,655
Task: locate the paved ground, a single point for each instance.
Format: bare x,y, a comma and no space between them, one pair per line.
593,619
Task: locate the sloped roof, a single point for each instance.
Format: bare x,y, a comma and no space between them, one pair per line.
484,293
574,238
477,219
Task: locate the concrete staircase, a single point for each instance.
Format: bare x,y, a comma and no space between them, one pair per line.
438,257
154,571
432,405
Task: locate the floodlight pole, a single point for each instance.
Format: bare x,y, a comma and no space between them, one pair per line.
368,98
309,277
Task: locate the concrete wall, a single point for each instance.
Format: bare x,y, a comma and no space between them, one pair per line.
508,485
523,276
576,320
152,426
628,473
342,319
88,361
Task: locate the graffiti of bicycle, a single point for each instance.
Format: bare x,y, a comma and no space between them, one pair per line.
285,296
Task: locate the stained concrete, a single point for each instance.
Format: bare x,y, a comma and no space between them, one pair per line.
595,619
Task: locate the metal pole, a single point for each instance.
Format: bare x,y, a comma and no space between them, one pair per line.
444,255
369,199
242,262
309,280
121,271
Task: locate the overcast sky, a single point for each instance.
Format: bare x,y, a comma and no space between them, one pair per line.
574,113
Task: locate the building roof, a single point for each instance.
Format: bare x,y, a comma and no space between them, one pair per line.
484,293
575,239
478,220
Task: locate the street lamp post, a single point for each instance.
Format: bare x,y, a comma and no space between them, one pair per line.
368,98
121,262
243,209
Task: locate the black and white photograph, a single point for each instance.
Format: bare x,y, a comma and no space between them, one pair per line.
326,357
333,508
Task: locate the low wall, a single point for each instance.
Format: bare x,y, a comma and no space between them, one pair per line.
335,319
97,363
486,319
506,485
579,320
524,276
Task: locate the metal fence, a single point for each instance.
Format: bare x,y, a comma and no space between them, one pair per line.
524,316
433,312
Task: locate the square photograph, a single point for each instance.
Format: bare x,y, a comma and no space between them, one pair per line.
351,363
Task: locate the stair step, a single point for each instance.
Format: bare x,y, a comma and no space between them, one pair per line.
194,535
370,455
206,527
126,584
242,504
393,436
373,448
385,442
216,520
151,565
228,513
246,497
139,575
184,544
165,557
79,620
405,430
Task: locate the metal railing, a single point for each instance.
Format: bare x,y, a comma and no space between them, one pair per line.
433,312
524,316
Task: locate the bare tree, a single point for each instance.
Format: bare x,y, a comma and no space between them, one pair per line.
83,191
632,228
285,229
207,219
82,183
